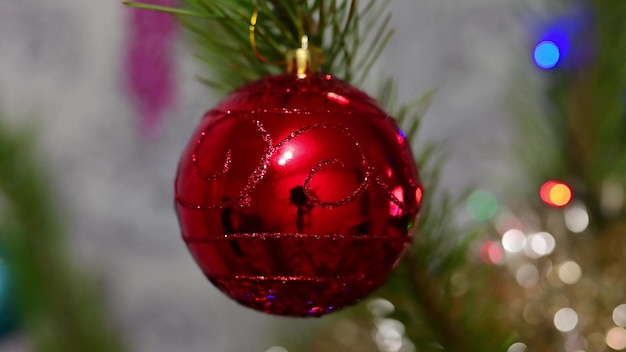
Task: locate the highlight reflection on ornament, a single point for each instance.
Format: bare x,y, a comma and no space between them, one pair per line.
293,195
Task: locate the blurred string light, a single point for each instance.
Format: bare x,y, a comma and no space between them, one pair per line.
616,338
517,347
513,241
576,218
482,205
560,45
380,307
619,315
570,272
539,245
389,335
527,275
566,319
276,349
491,252
556,194
547,54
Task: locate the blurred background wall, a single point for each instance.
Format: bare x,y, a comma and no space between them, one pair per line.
61,73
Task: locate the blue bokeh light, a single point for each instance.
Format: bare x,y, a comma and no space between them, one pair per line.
563,42
547,54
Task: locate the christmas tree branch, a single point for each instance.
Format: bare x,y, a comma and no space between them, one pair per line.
172,10
220,31
60,307
440,316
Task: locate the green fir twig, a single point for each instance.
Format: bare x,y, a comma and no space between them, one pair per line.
351,35
171,10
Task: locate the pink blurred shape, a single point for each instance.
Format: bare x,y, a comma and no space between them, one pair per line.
149,65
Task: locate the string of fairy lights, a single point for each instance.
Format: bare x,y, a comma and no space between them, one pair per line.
558,285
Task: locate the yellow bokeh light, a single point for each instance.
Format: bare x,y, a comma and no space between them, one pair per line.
560,195
556,194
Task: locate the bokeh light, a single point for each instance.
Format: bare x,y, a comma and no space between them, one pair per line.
491,252
517,347
566,319
389,335
563,41
540,244
482,205
576,218
616,338
513,241
570,272
547,54
619,315
380,307
276,349
527,275
556,194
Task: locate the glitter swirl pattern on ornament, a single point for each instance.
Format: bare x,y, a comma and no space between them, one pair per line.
297,196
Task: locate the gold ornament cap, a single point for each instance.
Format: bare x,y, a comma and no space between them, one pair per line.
305,59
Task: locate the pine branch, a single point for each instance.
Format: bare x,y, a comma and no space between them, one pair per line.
220,31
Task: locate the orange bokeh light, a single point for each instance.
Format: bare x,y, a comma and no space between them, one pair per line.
556,194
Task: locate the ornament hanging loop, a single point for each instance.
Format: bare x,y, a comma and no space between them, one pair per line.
252,30
301,61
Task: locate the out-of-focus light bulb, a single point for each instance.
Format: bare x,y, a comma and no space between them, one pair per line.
527,275
491,252
517,347
616,338
513,241
576,218
482,205
276,349
547,55
389,335
556,194
570,272
540,244
619,315
565,320
380,307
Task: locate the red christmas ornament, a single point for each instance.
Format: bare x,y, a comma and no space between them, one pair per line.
297,195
